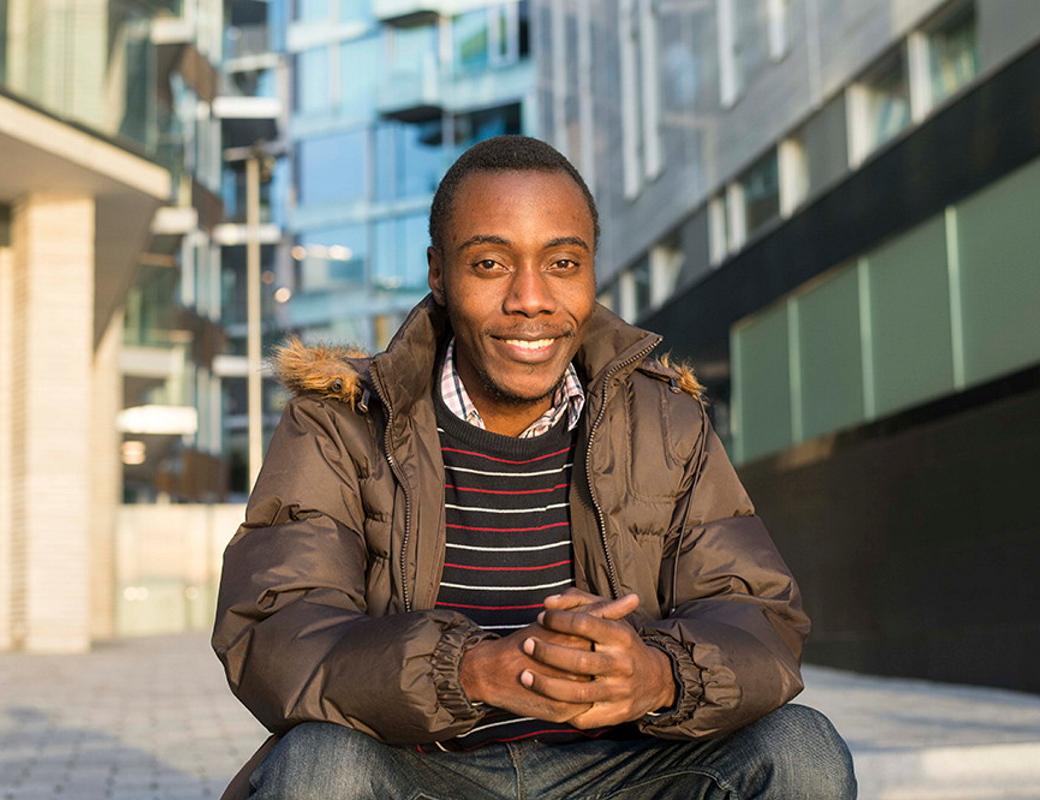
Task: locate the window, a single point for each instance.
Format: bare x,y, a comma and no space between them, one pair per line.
879,106
409,159
953,54
313,80
331,258
752,39
748,34
355,10
471,36
360,60
312,10
332,169
479,125
760,193
400,257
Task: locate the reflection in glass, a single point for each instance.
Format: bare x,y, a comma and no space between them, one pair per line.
887,100
360,60
332,169
761,191
312,10
470,35
332,257
953,55
312,80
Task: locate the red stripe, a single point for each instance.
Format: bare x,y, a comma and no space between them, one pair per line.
489,608
508,530
503,460
505,491
501,569
589,734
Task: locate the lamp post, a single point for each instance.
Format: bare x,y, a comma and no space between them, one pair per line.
254,386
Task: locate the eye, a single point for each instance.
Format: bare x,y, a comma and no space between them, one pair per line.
564,264
487,265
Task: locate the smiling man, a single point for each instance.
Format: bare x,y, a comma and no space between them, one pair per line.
508,557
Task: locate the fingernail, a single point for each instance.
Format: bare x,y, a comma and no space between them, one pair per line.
527,678
541,617
529,646
552,597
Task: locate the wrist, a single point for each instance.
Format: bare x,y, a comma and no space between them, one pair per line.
471,673
666,692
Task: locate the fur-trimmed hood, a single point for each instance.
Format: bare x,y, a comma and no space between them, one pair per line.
330,370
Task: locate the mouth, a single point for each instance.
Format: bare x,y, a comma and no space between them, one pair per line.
528,349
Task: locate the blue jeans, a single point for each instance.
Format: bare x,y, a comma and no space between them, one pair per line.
792,754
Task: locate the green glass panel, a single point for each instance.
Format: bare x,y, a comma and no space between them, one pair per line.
910,318
999,244
829,354
763,384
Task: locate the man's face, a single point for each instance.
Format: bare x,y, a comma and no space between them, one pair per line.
517,278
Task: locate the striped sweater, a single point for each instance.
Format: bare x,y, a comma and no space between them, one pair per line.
508,541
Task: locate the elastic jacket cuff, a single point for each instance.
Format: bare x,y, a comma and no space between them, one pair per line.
456,638
688,686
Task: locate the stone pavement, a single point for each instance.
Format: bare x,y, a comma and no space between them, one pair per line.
152,719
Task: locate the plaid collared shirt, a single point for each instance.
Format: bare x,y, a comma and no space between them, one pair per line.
569,398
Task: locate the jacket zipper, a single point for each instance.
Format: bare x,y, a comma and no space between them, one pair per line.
396,470
601,520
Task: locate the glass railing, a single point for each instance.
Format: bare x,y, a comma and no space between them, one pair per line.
246,40
53,61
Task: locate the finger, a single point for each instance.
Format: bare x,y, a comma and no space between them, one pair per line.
578,623
568,659
615,609
567,691
572,598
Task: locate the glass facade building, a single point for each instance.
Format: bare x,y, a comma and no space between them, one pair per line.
385,96
831,203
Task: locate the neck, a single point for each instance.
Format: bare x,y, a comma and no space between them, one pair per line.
512,422
506,418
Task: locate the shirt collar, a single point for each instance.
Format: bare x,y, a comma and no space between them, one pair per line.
569,398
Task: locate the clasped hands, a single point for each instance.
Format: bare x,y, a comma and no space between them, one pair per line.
580,664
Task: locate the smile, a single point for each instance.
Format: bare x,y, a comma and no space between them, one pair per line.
536,344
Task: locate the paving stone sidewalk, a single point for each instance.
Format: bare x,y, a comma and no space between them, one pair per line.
152,719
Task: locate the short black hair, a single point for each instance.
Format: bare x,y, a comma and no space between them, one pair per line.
501,154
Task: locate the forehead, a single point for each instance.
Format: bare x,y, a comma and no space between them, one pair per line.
549,202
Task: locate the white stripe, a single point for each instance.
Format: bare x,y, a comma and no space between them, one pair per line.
505,588
504,627
441,746
509,474
471,731
506,510
509,549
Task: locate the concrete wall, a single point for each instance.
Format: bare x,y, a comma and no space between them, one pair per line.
916,551
168,560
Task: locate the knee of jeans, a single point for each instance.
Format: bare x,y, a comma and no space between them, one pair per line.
807,756
316,761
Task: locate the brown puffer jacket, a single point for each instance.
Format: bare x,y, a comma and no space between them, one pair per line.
326,599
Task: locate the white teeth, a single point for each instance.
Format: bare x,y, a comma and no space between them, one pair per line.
538,344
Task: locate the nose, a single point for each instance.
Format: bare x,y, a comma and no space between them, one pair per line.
530,293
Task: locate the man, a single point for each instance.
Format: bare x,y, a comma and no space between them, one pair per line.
508,557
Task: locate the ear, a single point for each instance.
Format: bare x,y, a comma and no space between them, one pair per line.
435,274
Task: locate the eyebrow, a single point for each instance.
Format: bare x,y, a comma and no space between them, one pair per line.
490,238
